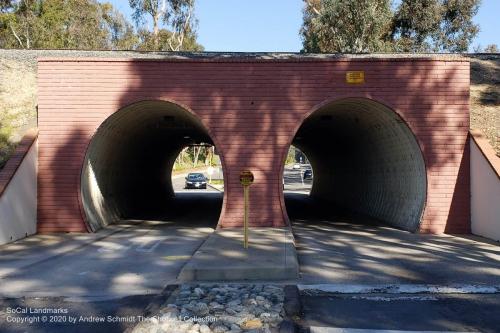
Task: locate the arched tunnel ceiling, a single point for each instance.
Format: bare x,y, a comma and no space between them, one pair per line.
365,158
128,162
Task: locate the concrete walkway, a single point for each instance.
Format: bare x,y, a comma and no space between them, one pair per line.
341,248
270,256
134,258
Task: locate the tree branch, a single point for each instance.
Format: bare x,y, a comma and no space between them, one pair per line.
16,36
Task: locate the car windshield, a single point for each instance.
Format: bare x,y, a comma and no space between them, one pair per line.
196,176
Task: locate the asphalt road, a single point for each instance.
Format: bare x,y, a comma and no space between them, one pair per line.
294,182
178,183
413,313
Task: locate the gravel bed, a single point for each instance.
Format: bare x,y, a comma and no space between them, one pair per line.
219,308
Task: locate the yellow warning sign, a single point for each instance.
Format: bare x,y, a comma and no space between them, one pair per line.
355,77
246,178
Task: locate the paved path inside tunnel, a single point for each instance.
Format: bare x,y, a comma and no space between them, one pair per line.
337,247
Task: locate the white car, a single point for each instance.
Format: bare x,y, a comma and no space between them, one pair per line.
296,166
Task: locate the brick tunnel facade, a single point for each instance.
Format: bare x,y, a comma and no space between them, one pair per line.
396,145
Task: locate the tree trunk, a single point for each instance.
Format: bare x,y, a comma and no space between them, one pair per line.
156,37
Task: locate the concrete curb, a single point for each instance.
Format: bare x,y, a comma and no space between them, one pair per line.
398,289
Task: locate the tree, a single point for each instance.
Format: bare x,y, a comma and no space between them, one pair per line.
434,25
373,26
413,23
121,32
491,48
65,24
176,16
345,26
147,43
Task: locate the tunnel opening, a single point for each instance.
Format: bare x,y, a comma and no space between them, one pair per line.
368,167
128,168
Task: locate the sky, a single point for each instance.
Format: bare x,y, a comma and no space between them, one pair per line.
273,25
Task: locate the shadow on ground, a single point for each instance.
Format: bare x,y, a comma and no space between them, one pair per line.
335,246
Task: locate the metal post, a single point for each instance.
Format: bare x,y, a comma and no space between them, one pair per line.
245,218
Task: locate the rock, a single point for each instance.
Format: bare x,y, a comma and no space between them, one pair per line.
216,306
199,292
251,324
250,301
186,313
233,303
200,309
169,316
195,328
183,326
229,320
219,328
235,328
205,329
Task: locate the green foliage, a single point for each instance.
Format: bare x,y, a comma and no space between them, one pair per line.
173,24
491,48
434,25
373,26
89,24
147,41
345,25
290,157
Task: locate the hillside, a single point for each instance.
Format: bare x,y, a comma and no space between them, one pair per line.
18,92
485,97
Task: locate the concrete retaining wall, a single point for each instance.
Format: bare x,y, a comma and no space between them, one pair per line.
485,188
18,193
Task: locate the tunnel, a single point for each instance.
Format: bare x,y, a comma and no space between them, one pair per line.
127,171
365,160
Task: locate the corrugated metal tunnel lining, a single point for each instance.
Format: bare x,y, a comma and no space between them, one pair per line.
365,159
127,168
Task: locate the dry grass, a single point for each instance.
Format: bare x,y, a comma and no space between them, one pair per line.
17,104
485,97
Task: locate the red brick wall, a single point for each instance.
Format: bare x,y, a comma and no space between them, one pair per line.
252,109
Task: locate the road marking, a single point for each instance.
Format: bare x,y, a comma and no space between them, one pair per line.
186,257
396,298
118,248
143,248
399,289
316,329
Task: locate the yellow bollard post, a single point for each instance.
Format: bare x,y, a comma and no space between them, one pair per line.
246,189
246,179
